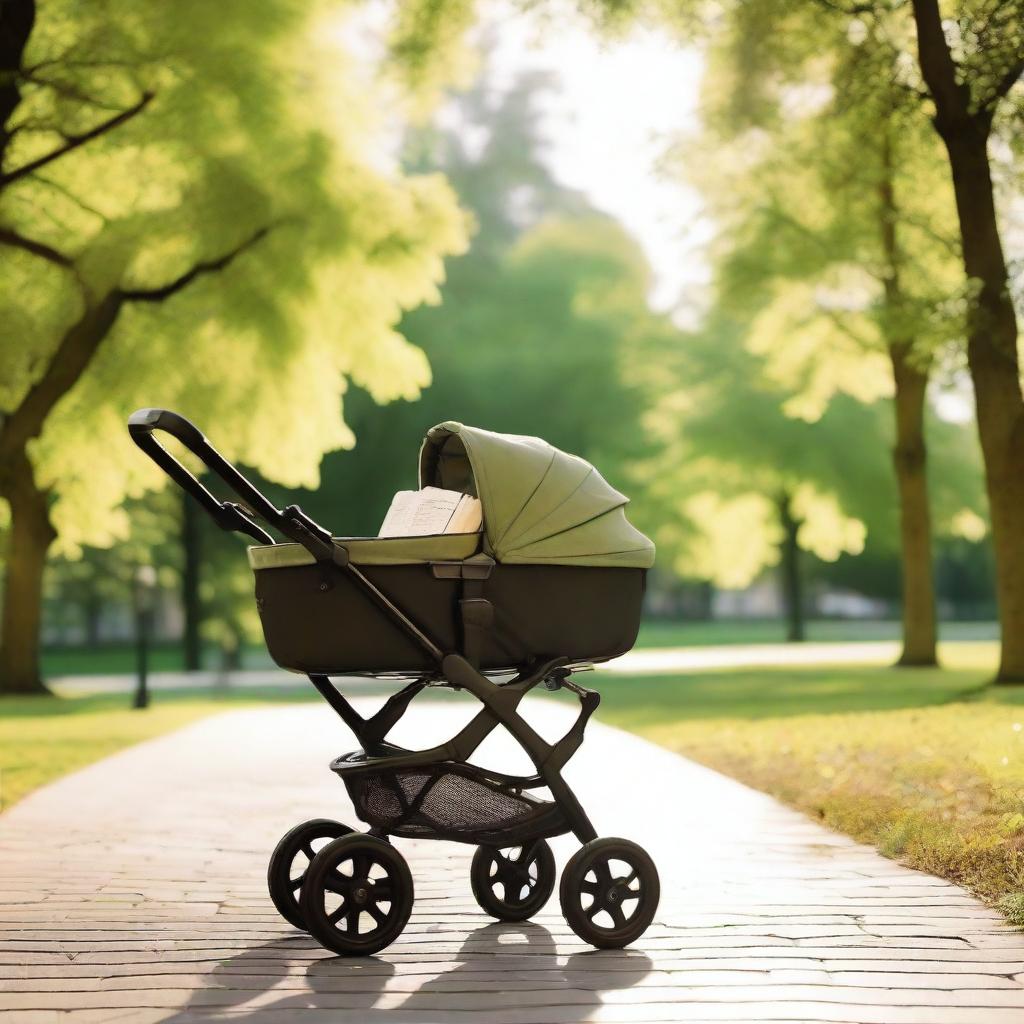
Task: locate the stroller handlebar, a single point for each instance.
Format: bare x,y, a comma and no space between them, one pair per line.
229,515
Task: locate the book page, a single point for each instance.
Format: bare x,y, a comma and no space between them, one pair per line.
417,513
468,517
399,518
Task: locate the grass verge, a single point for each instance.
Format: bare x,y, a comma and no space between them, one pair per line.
927,765
42,738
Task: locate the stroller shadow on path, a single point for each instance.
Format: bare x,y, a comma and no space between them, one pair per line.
502,972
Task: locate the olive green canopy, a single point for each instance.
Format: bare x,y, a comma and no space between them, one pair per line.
540,504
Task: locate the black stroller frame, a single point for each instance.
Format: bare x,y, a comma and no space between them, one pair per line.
379,878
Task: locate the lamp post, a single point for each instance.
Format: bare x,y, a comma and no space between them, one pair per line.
143,594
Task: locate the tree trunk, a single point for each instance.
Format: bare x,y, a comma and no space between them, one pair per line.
909,462
995,372
92,609
190,600
791,581
30,537
991,321
909,452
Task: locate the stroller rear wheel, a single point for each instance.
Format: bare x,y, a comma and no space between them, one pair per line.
609,892
526,875
290,862
357,896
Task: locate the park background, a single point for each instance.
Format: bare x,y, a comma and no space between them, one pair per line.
715,249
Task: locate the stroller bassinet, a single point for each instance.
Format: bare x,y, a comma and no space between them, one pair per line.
561,567
554,578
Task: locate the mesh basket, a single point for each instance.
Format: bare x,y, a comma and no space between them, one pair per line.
450,801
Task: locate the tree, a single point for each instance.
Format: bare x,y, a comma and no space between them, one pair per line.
969,74
839,234
187,220
965,68
963,73
745,486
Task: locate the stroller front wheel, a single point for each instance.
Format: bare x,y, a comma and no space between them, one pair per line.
357,896
290,862
526,875
609,892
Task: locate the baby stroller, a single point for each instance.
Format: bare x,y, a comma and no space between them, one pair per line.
553,580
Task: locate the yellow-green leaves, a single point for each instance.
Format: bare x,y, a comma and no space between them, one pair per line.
258,251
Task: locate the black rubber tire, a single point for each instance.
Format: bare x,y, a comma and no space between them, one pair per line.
282,882
491,867
355,889
589,876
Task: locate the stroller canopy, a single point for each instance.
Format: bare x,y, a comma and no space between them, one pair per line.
540,504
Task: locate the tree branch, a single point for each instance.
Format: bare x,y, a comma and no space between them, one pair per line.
937,65
11,238
79,345
66,366
1007,82
75,141
71,197
207,267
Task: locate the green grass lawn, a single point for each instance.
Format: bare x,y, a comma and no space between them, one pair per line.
115,659
108,659
42,738
928,765
658,633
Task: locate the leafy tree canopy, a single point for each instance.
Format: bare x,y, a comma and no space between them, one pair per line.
730,454
188,192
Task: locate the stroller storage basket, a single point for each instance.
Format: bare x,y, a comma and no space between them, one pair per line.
447,800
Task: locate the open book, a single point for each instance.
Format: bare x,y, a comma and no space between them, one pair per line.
431,510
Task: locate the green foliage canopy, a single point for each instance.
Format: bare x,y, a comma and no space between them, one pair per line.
191,185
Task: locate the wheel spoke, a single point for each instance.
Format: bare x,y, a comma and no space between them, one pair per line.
335,914
617,915
307,849
360,866
296,883
337,882
591,888
594,909
382,890
376,913
631,894
352,921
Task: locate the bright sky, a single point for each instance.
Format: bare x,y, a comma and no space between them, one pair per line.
620,105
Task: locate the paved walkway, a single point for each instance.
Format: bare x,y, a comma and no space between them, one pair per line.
133,891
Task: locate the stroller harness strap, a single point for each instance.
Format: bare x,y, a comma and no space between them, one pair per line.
477,619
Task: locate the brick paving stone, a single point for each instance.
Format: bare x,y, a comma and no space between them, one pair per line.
133,892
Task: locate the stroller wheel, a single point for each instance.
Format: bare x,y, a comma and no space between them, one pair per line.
290,862
357,896
525,873
609,892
